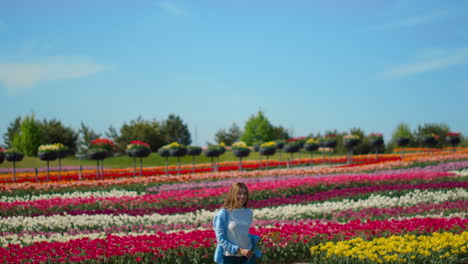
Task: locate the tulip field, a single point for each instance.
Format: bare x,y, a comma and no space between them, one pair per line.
391,209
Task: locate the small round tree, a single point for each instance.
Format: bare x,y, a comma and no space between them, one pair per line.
240,150
137,149
194,151
291,148
212,152
13,155
377,142
100,149
279,147
311,146
350,142
267,149
177,150
430,140
453,139
62,152
2,155
47,153
164,152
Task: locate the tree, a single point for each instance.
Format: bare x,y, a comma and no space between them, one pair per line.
364,147
29,138
230,136
280,133
113,135
146,131
402,131
464,142
54,131
12,130
174,130
440,130
257,129
86,135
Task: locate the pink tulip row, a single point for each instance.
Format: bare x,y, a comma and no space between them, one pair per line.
220,183
191,196
280,235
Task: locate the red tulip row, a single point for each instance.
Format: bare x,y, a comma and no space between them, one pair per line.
158,246
75,175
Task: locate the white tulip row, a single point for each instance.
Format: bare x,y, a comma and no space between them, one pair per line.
297,211
98,194
461,173
300,211
28,239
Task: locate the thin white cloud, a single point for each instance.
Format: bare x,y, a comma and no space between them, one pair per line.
17,76
432,52
172,8
417,20
429,64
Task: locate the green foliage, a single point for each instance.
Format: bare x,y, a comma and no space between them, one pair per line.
12,130
257,129
230,136
440,130
54,131
146,131
280,133
174,130
86,135
29,137
112,133
13,151
403,131
464,142
364,147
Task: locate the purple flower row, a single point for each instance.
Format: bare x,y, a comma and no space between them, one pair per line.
222,183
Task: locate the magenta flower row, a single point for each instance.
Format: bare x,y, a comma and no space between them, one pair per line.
192,206
191,195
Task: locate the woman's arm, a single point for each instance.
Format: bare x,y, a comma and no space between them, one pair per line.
220,226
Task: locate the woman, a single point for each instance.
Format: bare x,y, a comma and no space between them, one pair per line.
231,225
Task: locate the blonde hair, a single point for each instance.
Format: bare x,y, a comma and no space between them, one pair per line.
231,201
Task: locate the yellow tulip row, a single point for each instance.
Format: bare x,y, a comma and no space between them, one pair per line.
397,249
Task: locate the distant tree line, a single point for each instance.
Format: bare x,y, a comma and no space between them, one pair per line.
27,133
258,129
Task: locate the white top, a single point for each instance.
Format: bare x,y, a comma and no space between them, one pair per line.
238,229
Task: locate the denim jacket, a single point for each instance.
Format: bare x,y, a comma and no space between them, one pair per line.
220,225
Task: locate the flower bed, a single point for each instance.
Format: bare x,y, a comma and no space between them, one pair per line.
390,160
319,215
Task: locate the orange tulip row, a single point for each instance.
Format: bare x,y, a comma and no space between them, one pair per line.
92,174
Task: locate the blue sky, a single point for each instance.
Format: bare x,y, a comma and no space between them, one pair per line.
311,66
